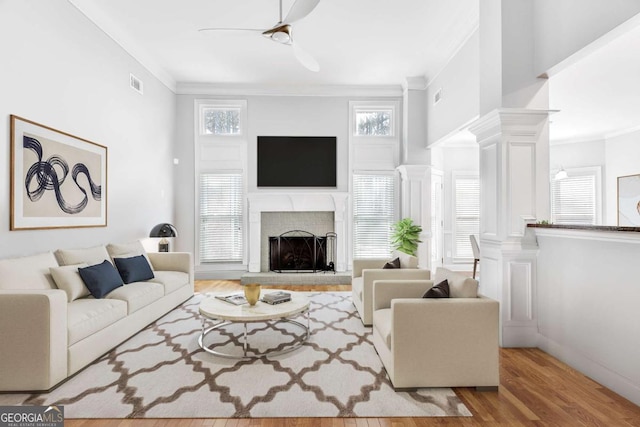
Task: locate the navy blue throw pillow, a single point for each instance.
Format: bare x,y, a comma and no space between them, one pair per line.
441,290
100,279
134,269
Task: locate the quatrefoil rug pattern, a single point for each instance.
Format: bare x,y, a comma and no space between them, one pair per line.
162,373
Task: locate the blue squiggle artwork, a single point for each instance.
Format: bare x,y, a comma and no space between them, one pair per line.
47,178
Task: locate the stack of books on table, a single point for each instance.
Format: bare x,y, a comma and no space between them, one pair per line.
276,297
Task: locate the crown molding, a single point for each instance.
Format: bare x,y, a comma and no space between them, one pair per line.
415,83
385,91
105,24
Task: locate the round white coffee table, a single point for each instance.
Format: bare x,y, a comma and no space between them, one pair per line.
213,308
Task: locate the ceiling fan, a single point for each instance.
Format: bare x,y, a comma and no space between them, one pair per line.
282,31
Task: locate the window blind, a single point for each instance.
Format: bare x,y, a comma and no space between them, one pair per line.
373,215
573,200
221,218
467,215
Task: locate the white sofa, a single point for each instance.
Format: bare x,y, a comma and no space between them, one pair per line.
49,333
446,342
366,271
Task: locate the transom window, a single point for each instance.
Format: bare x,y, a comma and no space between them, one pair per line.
220,120
374,122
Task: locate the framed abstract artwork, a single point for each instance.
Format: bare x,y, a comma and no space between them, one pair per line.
629,201
57,180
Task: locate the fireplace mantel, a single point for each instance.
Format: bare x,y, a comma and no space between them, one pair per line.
336,202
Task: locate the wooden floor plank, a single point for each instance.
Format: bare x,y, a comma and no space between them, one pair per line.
536,390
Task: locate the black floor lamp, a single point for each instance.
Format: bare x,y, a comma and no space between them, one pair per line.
163,231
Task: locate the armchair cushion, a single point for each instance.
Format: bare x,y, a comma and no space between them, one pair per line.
392,264
406,260
441,290
460,286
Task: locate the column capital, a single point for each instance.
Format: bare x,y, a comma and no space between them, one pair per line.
415,83
504,118
413,172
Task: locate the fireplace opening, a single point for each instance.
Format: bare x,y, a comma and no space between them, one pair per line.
299,251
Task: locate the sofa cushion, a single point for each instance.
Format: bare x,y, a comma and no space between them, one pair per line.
68,279
137,294
406,260
133,269
460,286
90,256
441,290
171,280
86,316
100,278
356,286
30,272
395,263
382,323
127,250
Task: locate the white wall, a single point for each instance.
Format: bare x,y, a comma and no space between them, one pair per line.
460,84
622,154
588,304
564,27
58,69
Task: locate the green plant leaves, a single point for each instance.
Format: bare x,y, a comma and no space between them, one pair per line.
406,236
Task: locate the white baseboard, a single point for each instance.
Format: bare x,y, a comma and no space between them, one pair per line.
594,370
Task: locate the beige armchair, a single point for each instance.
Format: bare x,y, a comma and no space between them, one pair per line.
424,342
366,271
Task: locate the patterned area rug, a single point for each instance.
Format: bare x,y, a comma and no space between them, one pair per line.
162,373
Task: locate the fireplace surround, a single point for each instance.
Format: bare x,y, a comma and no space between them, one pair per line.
335,203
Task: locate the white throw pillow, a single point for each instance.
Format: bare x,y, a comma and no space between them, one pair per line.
460,286
89,256
128,250
30,272
68,279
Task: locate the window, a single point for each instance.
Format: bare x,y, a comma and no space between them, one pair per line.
221,217
467,215
373,214
220,120
575,199
374,122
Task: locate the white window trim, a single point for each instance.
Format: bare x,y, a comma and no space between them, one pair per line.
223,142
226,104
357,106
588,170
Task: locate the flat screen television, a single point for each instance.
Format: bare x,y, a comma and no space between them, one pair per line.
297,161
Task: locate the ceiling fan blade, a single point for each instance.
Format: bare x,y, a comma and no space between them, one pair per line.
299,10
230,29
305,58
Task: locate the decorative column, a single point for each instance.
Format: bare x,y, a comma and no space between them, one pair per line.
416,204
514,190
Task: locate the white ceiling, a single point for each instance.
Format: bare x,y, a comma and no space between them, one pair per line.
356,42
599,95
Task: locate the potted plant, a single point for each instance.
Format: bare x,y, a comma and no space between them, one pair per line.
405,236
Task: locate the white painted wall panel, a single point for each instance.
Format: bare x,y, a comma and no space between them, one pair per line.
489,209
521,198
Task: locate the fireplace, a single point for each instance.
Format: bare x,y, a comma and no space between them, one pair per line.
299,251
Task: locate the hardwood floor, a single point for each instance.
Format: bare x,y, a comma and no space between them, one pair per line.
535,390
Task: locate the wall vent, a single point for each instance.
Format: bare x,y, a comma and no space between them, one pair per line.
135,83
437,96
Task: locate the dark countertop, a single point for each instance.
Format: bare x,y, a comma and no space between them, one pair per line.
587,227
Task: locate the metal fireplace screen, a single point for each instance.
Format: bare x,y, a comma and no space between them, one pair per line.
299,251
